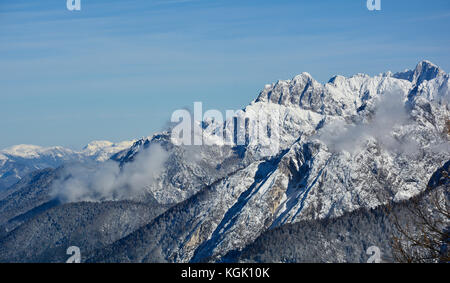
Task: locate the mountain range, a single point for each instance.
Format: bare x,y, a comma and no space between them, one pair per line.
19,160
345,149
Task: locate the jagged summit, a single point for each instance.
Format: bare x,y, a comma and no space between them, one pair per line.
305,76
424,71
345,93
299,91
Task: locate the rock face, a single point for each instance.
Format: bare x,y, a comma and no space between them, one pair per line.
346,238
351,144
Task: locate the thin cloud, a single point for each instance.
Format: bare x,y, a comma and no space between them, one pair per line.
108,181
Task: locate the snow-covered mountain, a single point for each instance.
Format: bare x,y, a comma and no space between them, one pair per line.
19,160
352,143
103,150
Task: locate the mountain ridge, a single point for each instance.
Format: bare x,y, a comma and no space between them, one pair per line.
19,160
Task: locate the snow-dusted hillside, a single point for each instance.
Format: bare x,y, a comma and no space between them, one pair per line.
19,160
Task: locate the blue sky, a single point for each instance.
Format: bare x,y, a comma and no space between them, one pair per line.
116,70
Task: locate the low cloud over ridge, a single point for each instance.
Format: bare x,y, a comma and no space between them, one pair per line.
107,180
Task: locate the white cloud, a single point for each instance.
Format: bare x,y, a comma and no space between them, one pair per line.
389,113
108,181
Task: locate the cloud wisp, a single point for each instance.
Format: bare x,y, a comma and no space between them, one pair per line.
109,181
389,113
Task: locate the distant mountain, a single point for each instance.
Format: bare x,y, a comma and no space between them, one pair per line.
342,148
19,160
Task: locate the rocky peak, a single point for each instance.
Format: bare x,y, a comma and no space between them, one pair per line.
424,71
